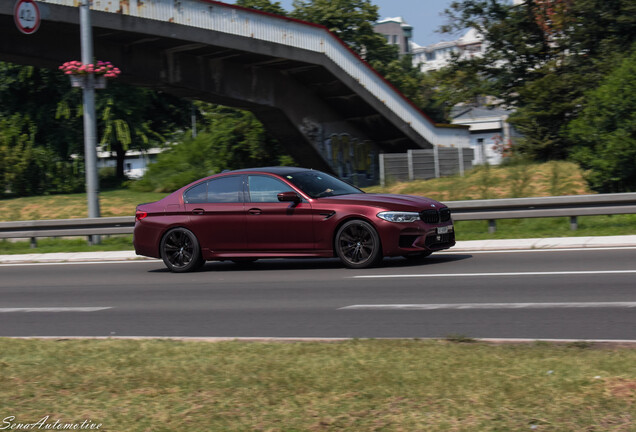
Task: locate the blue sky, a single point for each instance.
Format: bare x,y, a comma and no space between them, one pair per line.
423,15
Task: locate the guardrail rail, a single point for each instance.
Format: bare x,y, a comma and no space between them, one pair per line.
490,210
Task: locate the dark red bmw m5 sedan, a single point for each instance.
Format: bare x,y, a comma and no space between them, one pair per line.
279,212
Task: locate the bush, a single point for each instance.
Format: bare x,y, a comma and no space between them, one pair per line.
108,178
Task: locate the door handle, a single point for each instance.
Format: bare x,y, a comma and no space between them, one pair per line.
255,211
198,211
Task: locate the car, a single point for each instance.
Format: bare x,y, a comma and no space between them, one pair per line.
280,212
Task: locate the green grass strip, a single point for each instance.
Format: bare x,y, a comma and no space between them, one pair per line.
359,385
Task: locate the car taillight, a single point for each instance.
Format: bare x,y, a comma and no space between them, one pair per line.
139,215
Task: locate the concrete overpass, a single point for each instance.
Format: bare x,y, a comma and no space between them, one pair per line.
324,104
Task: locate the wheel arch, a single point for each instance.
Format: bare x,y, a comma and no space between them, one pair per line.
351,218
161,236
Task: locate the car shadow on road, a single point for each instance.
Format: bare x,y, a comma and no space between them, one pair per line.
319,263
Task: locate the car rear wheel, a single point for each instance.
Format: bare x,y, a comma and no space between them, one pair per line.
180,251
358,244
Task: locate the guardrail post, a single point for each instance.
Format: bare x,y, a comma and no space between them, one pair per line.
436,160
574,224
381,163
34,243
492,226
460,154
409,160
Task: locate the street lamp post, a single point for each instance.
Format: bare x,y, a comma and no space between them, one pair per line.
90,127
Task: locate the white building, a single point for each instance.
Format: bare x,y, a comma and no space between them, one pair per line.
490,133
135,162
438,55
397,32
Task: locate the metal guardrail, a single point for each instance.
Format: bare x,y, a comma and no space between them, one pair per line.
560,206
490,210
88,227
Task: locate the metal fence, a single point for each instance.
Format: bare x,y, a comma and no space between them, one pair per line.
425,164
490,210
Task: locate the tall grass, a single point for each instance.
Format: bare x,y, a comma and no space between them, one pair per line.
352,386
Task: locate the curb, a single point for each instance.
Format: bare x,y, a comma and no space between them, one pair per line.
554,243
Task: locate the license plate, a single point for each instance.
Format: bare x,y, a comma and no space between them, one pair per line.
445,229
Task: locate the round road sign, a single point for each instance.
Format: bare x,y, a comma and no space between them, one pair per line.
27,16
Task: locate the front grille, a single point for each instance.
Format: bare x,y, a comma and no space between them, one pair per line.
433,216
430,216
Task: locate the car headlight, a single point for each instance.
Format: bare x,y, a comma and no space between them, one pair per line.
396,216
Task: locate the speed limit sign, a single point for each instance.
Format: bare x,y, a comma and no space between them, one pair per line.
27,16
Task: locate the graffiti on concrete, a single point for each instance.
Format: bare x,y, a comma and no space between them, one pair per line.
352,158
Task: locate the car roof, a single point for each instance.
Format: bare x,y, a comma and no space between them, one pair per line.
279,170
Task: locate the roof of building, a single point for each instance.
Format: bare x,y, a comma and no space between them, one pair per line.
398,20
465,112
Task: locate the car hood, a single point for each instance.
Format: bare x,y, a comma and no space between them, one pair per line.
389,201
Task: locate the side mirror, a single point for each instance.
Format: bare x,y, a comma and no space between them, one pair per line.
289,197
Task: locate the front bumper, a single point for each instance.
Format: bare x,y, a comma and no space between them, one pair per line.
404,239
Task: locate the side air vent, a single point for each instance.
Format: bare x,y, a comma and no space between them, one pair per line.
444,214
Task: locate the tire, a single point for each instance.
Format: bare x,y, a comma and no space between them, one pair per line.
180,251
357,244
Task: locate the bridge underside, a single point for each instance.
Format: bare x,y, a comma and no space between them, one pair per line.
323,117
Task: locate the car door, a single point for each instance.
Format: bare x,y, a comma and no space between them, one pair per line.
273,225
217,213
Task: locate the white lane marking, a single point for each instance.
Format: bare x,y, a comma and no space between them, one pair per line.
79,263
554,273
53,309
551,249
455,306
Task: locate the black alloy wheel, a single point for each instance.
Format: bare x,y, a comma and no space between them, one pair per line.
358,244
180,251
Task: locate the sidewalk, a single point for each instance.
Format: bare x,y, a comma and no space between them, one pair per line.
462,246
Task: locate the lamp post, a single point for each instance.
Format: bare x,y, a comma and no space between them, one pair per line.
90,127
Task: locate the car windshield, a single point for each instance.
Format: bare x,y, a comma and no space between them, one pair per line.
317,184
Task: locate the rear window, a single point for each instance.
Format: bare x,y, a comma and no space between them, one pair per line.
219,190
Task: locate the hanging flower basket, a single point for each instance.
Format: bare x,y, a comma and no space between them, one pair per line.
100,82
77,80
78,72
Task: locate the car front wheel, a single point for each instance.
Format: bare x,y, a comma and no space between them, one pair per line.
358,244
180,251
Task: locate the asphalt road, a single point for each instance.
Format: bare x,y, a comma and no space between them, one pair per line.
554,294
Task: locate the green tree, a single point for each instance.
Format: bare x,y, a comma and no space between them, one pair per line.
421,88
128,117
542,56
16,134
263,5
138,118
605,132
350,20
230,139
34,93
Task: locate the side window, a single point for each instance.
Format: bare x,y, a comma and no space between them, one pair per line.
225,190
222,190
197,194
266,189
